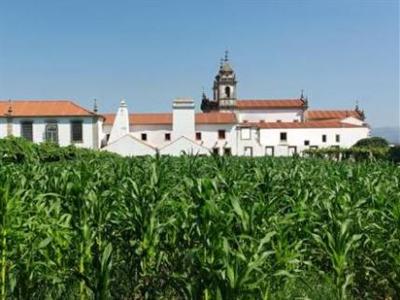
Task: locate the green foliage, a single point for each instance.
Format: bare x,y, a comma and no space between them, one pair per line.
101,226
372,142
19,150
354,153
394,154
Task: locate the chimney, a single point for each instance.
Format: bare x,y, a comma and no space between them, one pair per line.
183,121
121,123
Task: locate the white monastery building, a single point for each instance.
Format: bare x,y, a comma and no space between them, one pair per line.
226,126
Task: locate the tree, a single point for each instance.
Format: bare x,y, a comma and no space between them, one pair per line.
373,142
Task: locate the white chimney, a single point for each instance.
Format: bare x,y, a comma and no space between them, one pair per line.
183,118
121,123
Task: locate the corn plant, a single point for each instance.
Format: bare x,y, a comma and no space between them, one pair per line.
89,225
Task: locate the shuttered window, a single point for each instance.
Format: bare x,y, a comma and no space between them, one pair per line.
27,130
76,131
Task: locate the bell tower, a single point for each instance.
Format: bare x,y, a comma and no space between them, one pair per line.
225,85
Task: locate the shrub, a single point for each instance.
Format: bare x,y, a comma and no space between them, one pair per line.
394,154
372,142
19,150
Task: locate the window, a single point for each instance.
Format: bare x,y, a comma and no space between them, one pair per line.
27,130
221,134
107,137
51,132
269,150
228,92
245,133
338,138
306,143
144,136
283,136
227,151
215,151
167,136
198,136
248,151
324,138
76,132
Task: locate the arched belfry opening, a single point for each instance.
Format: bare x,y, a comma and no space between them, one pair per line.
227,92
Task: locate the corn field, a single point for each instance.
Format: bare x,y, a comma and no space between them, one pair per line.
107,227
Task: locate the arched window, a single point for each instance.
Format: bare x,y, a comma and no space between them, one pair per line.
228,92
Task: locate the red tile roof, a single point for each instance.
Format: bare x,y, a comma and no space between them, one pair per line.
42,108
215,118
148,118
271,103
293,125
166,118
331,114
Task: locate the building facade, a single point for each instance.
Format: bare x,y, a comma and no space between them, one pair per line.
226,126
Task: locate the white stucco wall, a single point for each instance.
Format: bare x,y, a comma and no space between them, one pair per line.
155,134
129,146
3,127
269,115
253,142
64,129
183,145
210,140
296,137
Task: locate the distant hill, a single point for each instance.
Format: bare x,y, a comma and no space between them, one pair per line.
391,134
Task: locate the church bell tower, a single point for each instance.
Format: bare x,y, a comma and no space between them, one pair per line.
225,85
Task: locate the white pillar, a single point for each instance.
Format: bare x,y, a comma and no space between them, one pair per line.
183,119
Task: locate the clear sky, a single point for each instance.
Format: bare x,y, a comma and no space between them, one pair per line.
150,52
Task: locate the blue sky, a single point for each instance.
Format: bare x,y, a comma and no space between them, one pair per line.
150,52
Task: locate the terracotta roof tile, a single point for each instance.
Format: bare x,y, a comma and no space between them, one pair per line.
269,103
42,108
142,118
166,118
215,118
331,114
294,125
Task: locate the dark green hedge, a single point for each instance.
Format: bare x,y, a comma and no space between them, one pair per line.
19,150
372,142
357,153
